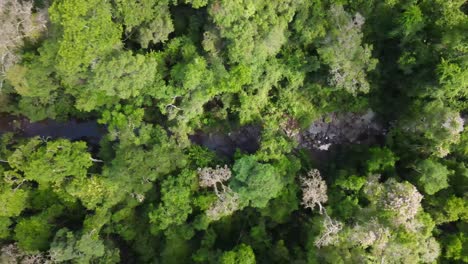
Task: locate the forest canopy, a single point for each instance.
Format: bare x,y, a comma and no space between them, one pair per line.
220,131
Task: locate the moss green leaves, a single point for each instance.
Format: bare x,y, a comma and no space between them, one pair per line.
256,183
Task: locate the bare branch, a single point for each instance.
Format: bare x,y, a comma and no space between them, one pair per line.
209,177
95,160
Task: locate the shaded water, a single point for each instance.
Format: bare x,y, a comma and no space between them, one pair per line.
246,138
73,129
223,142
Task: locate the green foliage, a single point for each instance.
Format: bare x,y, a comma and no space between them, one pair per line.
201,157
87,34
178,85
457,247
256,183
5,224
13,202
33,233
433,176
428,129
152,23
411,21
135,167
68,246
380,160
449,209
241,254
352,183
342,51
120,77
52,161
91,192
177,248
453,77
253,30
175,206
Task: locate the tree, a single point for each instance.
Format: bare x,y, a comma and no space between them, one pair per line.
314,190
380,160
14,201
252,31
370,233
86,35
453,78
176,204
241,254
329,232
19,23
52,161
120,76
433,176
228,201
349,61
402,199
209,177
140,160
40,90
226,204
152,24
410,22
91,191
34,233
84,248
10,253
448,209
256,183
5,224
428,128
456,245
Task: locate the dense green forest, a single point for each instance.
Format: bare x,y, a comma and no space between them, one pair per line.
234,131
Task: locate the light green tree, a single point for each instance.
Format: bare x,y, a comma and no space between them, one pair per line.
52,161
87,35
151,24
241,254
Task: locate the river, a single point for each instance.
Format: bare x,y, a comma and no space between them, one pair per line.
245,138
89,131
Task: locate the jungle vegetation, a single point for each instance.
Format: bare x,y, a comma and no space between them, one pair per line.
158,74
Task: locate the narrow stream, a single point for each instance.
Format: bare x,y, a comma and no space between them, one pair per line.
346,128
246,138
224,144
89,131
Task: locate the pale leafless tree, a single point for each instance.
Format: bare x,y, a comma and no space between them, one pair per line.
11,254
209,177
290,127
370,233
431,251
227,203
330,229
404,200
314,193
228,200
454,123
314,190
18,22
350,60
